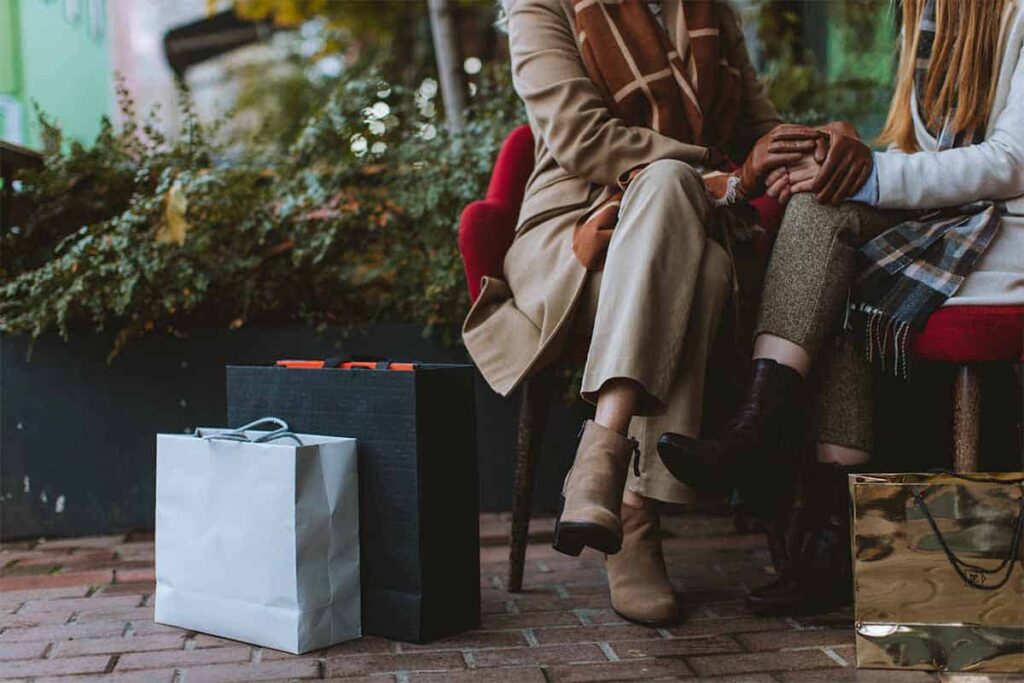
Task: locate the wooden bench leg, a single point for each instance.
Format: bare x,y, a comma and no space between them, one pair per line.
966,419
533,417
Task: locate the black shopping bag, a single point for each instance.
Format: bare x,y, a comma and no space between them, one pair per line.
415,430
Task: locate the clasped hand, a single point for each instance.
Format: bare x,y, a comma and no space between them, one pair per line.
838,166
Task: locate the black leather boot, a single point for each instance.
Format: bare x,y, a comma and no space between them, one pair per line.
752,454
818,578
783,537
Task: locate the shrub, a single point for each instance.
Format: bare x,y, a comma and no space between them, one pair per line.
354,221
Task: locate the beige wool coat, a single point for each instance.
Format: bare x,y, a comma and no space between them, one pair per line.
521,323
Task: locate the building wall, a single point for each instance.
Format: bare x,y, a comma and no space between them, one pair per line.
11,125
137,49
54,53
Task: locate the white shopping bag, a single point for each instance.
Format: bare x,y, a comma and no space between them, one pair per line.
257,536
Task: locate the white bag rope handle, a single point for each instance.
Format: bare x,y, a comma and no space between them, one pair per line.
282,432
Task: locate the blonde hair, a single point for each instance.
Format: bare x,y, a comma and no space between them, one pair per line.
962,73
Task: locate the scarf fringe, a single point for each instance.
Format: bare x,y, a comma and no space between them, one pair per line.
886,340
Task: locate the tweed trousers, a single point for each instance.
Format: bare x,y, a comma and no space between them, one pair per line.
805,297
653,313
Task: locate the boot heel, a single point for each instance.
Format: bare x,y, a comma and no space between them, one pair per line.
566,541
572,537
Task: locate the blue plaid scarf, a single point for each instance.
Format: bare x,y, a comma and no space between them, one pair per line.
914,267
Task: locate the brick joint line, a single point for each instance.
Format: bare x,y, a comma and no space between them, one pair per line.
793,623
608,651
835,657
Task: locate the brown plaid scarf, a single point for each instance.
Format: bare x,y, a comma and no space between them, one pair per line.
693,97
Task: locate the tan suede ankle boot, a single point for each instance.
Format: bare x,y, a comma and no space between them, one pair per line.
592,493
637,579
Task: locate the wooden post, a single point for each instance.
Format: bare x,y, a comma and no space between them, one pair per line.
533,417
966,419
449,70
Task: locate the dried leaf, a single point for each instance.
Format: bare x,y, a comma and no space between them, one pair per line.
174,226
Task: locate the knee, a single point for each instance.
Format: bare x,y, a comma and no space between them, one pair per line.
806,219
803,209
670,195
671,181
670,174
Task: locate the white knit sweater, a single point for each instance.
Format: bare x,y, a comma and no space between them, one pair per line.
993,169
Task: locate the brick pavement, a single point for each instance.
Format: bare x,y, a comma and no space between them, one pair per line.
80,610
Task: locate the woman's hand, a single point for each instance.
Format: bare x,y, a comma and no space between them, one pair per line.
783,181
783,145
847,166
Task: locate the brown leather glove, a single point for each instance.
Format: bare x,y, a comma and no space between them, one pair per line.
842,127
784,144
847,166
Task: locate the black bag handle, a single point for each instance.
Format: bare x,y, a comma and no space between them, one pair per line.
381,362
971,574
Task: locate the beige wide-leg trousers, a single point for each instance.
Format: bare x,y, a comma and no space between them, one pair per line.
653,311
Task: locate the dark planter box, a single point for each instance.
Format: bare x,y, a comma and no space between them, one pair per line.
78,447
77,437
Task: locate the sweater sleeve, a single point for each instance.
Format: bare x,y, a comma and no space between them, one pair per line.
993,169
868,192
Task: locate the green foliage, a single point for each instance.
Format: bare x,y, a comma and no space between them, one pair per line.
338,205
355,221
376,17
855,85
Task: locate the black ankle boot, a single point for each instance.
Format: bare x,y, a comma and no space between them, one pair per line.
818,578
751,454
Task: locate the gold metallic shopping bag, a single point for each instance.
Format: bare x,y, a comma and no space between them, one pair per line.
938,563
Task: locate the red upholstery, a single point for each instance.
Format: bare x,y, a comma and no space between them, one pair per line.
487,226
770,212
972,334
